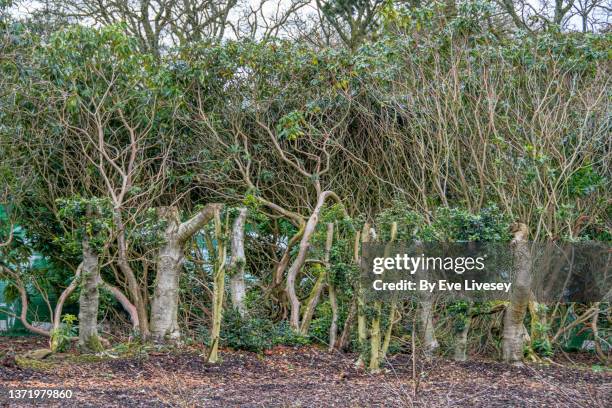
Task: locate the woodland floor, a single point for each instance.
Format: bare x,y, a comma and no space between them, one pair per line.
302,377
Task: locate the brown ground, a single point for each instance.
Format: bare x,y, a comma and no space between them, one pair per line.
304,377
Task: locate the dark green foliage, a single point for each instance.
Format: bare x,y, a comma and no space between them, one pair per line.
459,312
91,217
585,181
542,347
458,225
319,327
257,334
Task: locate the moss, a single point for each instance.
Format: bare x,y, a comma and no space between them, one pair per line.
59,342
237,267
33,364
86,358
91,345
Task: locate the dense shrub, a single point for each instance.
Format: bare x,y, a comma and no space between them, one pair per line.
257,334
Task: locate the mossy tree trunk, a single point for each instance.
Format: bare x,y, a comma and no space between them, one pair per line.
140,320
57,341
514,329
393,312
362,328
300,258
430,343
461,339
322,277
393,309
376,341
218,287
343,342
89,340
313,298
164,305
238,263
331,287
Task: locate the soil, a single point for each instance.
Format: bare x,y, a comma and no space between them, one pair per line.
297,377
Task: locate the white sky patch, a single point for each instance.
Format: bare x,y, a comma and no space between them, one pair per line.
272,8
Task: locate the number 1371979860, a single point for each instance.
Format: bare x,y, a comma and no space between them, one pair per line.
39,394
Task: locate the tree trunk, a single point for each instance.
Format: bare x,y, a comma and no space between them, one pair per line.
284,261
376,349
514,330
393,311
362,322
375,338
430,343
140,324
55,342
596,337
389,331
23,317
164,305
333,301
313,300
218,290
461,340
59,307
333,327
237,264
89,340
128,306
343,343
297,264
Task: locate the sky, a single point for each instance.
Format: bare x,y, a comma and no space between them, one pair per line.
272,6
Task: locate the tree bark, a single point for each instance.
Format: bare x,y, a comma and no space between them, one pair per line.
514,329
164,305
218,290
596,337
333,326
375,338
461,340
389,331
393,311
23,317
237,264
284,261
128,306
141,324
89,340
297,264
57,312
343,343
430,343
333,301
313,300
362,323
